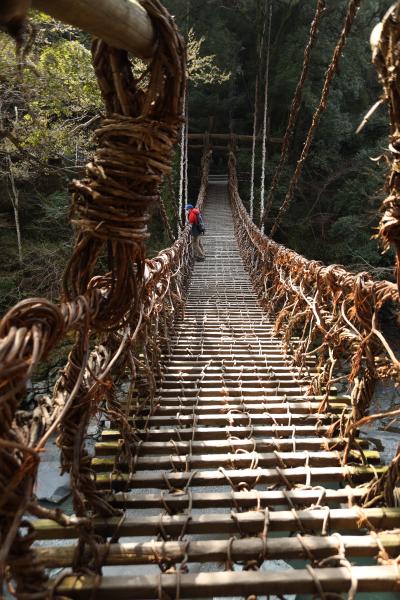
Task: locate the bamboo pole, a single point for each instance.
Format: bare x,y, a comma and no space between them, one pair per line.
249,523
105,448
271,476
123,24
247,500
260,407
213,433
286,548
227,137
236,418
240,461
212,147
244,583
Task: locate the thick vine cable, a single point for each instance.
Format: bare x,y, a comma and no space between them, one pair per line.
261,35
266,94
165,220
186,180
182,162
253,153
352,9
295,107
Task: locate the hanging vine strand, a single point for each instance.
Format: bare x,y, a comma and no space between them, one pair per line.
352,9
266,108
253,152
182,162
260,44
110,208
295,108
336,315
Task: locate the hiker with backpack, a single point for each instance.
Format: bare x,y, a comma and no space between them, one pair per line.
194,217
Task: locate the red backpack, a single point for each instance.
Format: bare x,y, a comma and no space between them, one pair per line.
193,216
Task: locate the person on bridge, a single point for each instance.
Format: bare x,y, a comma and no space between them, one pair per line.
194,217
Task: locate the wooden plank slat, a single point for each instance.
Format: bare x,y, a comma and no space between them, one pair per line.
244,583
236,418
261,405
260,445
248,499
252,522
210,433
218,550
232,460
177,480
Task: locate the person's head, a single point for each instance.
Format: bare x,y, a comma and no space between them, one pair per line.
188,206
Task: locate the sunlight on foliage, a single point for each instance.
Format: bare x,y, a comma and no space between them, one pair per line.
45,105
68,85
202,69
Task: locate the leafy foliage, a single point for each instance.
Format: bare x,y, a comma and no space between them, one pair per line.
48,113
202,69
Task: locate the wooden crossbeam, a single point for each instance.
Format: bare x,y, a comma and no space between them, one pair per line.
252,522
177,480
222,446
244,583
287,548
240,460
227,137
123,24
280,431
248,499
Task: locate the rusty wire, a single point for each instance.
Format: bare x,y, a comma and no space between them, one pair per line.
334,313
323,103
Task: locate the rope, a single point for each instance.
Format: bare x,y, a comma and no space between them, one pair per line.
260,45
110,208
295,108
352,9
174,204
182,161
253,153
165,219
187,149
266,94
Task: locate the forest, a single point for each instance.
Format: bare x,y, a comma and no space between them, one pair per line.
50,106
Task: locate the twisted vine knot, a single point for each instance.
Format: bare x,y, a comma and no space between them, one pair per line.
110,209
133,156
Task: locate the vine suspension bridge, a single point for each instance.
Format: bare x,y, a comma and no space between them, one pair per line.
232,450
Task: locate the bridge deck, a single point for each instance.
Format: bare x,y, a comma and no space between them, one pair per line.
233,456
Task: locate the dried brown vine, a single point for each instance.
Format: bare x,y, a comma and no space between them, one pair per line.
386,58
334,313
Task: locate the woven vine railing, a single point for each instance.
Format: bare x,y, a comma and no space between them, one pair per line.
121,321
335,316
129,352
